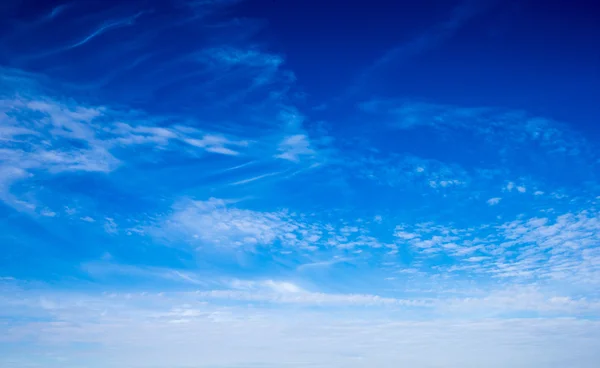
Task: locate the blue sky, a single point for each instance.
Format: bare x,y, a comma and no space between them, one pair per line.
223,183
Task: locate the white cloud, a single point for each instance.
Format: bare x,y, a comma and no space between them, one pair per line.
445,183
476,259
322,264
216,144
510,186
566,244
179,329
497,126
13,133
70,211
126,134
230,57
213,222
428,238
518,299
31,151
41,134
494,201
258,69
110,226
219,222
562,248
26,205
297,145
306,298
8,175
48,213
87,219
408,170
106,267
255,178
294,147
279,292
46,127
96,160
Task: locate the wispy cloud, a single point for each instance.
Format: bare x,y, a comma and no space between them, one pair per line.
100,270
231,56
110,226
428,39
285,292
104,28
497,126
87,219
295,146
408,170
44,141
494,201
217,222
556,248
53,137
194,326
255,178
322,264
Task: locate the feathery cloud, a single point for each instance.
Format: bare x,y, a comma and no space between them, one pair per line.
221,223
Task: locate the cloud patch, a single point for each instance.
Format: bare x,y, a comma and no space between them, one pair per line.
221,223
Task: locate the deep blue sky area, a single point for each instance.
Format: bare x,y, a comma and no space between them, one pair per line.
535,55
276,184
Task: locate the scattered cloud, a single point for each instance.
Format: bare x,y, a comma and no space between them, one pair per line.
406,171
494,201
559,248
220,223
87,219
48,213
499,127
56,137
510,186
295,146
43,135
110,226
